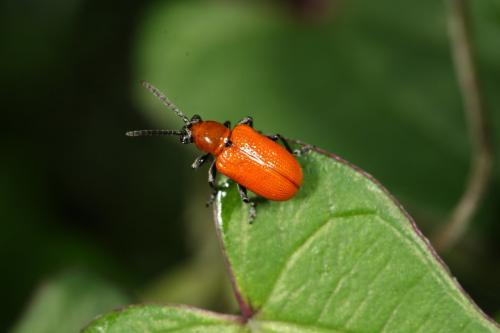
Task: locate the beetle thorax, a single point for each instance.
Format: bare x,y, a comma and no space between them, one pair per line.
210,136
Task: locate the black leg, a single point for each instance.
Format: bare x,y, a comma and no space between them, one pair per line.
303,150
227,124
246,121
212,173
244,197
277,137
199,161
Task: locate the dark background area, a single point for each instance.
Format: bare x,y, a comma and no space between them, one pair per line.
373,83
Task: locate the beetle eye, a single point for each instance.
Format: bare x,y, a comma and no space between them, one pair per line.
195,119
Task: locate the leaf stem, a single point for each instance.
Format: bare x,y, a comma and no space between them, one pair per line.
476,117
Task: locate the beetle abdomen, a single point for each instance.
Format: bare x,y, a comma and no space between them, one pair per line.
260,164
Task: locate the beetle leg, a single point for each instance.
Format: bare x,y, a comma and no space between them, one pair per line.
199,161
244,197
277,137
246,121
212,173
303,150
227,124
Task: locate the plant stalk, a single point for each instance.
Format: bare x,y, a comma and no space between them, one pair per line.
462,50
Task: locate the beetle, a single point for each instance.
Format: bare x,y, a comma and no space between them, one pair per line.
254,161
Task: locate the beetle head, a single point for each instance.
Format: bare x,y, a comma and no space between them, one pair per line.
186,135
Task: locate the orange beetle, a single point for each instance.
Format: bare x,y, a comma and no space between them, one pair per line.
254,161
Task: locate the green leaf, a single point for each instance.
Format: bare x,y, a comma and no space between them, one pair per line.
156,318
68,302
342,256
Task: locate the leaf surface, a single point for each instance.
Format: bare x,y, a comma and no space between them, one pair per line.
341,256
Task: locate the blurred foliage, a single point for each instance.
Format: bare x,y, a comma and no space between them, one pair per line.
202,281
68,303
158,318
370,81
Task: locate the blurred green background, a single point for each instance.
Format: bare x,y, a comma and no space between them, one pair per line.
91,220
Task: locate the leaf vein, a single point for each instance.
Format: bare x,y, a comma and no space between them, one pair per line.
296,253
367,251
365,300
394,311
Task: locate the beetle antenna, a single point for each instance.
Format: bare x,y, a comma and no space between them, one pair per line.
165,100
153,133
